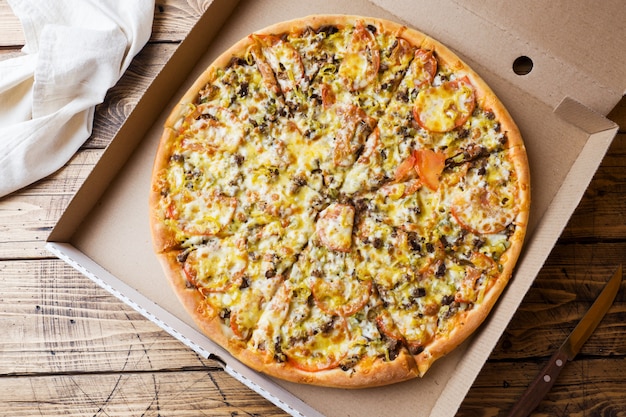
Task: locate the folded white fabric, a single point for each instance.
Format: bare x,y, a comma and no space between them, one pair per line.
75,50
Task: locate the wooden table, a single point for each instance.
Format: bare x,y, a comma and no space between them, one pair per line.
67,347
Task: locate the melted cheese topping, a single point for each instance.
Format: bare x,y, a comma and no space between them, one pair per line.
302,215
444,107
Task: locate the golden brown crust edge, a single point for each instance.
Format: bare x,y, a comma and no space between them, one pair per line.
373,372
192,300
163,238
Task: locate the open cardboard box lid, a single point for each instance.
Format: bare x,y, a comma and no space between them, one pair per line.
578,75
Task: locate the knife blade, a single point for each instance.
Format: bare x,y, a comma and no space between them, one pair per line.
545,379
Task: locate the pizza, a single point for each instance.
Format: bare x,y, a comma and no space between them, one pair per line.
339,201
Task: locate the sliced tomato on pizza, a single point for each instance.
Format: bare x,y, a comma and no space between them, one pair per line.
423,68
334,227
485,202
429,165
286,65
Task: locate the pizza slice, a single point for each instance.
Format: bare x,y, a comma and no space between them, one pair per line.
326,321
485,199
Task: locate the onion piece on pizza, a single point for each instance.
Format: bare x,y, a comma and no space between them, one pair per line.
423,68
325,343
212,127
285,63
202,213
483,205
478,279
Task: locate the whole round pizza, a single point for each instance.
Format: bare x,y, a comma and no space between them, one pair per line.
339,200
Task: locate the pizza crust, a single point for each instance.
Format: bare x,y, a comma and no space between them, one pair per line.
163,239
370,372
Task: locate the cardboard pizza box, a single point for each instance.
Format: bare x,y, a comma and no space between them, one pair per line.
576,77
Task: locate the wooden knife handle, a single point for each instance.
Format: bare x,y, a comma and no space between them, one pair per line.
540,386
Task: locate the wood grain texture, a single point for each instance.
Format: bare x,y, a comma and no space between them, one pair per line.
70,348
69,325
584,388
174,18
175,393
12,33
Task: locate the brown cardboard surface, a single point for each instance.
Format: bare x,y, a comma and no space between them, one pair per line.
105,231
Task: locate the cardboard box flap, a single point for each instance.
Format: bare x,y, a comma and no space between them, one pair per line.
575,47
582,117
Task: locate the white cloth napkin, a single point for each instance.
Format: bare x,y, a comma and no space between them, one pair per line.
75,50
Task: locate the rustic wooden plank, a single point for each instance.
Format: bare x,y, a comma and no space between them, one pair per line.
25,223
68,324
565,288
9,52
173,19
516,374
538,331
27,216
584,388
12,34
181,393
600,213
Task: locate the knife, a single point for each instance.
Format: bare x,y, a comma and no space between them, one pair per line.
544,381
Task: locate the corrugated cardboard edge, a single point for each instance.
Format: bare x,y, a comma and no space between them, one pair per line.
180,330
